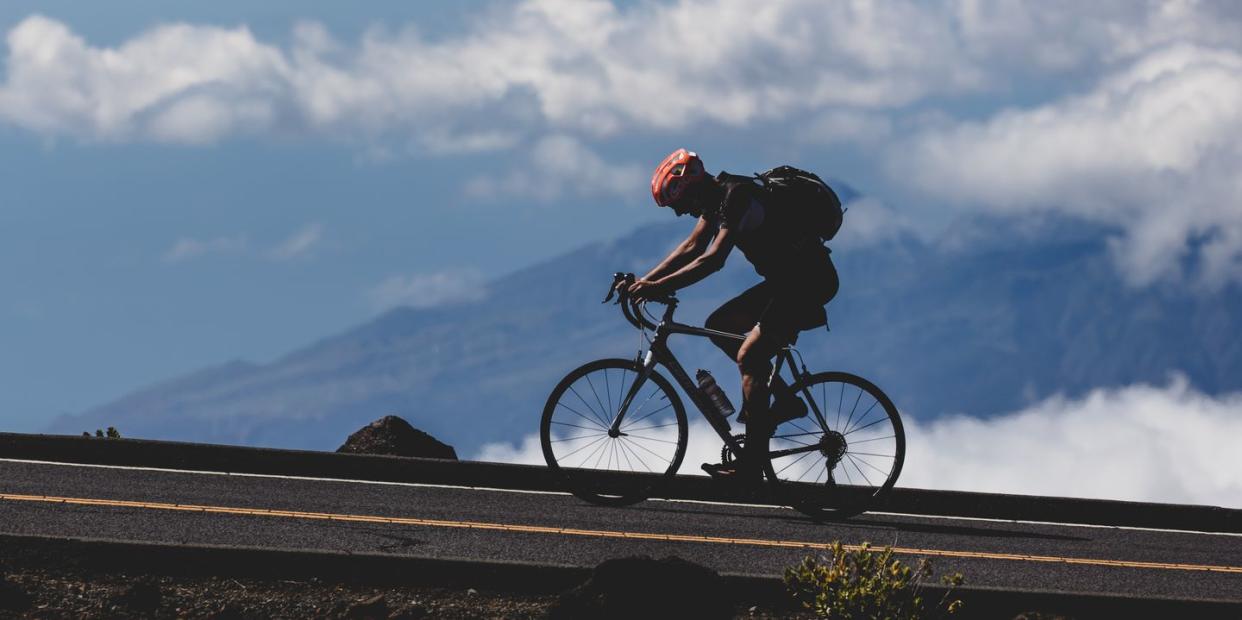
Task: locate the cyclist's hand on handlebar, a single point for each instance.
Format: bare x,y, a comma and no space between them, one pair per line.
644,290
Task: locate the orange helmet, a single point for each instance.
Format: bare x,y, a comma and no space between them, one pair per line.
675,175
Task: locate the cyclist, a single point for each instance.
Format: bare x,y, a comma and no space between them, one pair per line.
798,281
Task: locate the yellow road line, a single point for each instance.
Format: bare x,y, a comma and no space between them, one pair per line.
537,529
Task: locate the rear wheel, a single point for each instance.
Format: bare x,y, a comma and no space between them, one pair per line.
599,464
845,454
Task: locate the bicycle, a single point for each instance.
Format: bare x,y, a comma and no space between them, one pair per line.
621,452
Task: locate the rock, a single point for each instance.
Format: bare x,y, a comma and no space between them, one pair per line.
13,597
374,607
143,595
415,611
394,436
640,587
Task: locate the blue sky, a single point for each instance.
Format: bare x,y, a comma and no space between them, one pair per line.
183,184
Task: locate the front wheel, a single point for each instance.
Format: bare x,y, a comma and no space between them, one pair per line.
609,466
845,454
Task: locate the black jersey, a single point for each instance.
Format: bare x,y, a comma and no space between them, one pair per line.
771,238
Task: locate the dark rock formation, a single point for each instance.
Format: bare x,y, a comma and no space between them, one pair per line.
641,587
13,597
374,607
394,436
143,595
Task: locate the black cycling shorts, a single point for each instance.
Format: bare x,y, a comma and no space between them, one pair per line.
784,306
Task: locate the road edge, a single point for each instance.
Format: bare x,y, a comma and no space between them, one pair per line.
301,463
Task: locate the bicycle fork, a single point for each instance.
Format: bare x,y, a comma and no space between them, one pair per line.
649,362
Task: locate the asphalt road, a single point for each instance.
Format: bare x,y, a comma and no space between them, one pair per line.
131,504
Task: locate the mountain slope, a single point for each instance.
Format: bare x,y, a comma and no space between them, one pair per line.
980,329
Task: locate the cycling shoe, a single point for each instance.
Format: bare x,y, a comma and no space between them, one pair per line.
733,472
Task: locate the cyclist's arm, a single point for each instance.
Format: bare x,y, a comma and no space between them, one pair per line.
686,251
705,264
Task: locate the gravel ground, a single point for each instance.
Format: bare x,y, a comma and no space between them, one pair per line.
39,584
145,596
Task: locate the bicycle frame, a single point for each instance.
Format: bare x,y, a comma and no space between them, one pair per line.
660,354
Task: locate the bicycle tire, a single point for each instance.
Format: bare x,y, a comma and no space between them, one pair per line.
837,454
587,421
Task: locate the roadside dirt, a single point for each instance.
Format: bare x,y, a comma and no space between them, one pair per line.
49,582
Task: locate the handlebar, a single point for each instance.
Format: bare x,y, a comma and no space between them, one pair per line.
632,308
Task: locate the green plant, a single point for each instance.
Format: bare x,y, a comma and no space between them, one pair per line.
860,582
111,433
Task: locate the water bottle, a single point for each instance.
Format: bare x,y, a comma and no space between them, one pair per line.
707,383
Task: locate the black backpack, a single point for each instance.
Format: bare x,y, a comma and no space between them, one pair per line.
805,192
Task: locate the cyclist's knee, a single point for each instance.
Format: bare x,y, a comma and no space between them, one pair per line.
753,362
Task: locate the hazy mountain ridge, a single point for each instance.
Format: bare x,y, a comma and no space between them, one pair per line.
981,328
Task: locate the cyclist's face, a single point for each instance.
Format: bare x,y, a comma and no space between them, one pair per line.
691,202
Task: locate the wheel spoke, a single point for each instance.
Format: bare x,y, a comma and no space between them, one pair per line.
638,457
585,428
859,469
602,452
608,414
592,421
577,437
624,390
808,469
648,415
854,442
868,464
868,426
621,449
865,413
840,402
823,402
608,392
657,390
632,435
787,438
581,448
647,428
890,456
652,453
601,420
854,408
793,462
797,426
793,435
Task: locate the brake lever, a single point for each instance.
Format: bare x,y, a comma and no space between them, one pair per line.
618,278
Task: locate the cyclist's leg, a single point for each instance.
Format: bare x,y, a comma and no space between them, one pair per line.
754,362
738,316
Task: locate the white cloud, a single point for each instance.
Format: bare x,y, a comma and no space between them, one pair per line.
868,220
583,66
1140,443
1151,149
561,166
842,126
428,290
187,248
299,244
